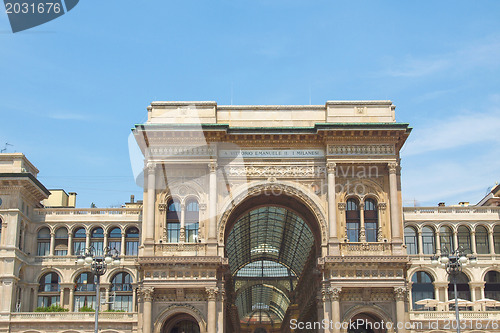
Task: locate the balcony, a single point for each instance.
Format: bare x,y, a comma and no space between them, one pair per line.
451,213
88,214
450,315
363,249
71,316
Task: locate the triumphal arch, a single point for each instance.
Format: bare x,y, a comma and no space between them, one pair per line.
270,218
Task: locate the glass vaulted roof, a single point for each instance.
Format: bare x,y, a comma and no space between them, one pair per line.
267,249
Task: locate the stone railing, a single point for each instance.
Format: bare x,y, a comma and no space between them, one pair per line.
73,316
173,248
365,248
450,315
88,211
452,210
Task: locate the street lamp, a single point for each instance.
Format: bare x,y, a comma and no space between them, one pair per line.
453,263
98,263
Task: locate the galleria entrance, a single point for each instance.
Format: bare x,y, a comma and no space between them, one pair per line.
182,323
271,249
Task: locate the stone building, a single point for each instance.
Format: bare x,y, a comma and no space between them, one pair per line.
253,219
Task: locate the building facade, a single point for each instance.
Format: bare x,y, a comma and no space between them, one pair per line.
253,219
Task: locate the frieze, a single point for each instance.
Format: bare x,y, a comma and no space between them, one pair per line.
277,171
356,150
183,151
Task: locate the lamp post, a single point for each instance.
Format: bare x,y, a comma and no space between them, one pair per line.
98,263
453,263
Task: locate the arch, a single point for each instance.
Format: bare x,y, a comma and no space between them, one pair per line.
482,240
446,238
464,237
371,219
411,240
492,284
463,287
422,287
46,270
428,240
374,310
288,193
180,309
117,270
132,241
192,217
353,218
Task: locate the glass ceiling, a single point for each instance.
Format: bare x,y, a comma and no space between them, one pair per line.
267,250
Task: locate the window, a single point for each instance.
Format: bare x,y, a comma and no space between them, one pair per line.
421,288
371,220
43,242
79,236
132,241
173,224
446,237
61,239
462,287
121,286
463,237
352,220
428,239
48,290
482,241
192,221
496,238
97,240
84,291
115,239
492,285
411,240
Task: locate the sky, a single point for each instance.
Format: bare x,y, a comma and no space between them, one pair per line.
72,89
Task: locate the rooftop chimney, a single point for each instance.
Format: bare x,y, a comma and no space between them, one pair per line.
72,199
132,198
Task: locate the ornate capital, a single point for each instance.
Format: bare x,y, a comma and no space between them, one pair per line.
382,206
330,167
212,166
212,293
147,293
399,293
392,167
335,293
341,205
151,167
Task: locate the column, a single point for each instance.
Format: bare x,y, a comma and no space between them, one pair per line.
182,235
362,235
61,297
150,222
455,240
332,212
35,298
122,245
70,243
420,242
438,242
327,306
147,294
106,297
335,297
491,242
395,214
473,241
381,208
52,243
212,231
212,309
87,239
221,311
134,299
71,299
105,240
399,296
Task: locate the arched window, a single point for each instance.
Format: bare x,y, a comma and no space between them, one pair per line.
462,287
132,241
352,220
428,239
84,291
97,240
173,224
463,236
61,238
371,220
492,285
79,236
446,238
192,221
121,287
411,240
421,288
43,242
496,238
115,239
48,290
482,240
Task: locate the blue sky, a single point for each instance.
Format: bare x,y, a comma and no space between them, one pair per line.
72,89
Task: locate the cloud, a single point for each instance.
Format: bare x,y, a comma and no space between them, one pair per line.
459,131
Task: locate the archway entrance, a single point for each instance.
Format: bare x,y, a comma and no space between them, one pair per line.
366,323
272,244
181,323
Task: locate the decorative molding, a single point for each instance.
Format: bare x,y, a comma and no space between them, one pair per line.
393,167
341,205
277,171
147,293
330,167
399,293
212,166
382,206
151,167
212,293
335,293
183,151
355,150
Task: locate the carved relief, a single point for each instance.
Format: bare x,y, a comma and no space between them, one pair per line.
399,293
212,293
349,150
277,171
